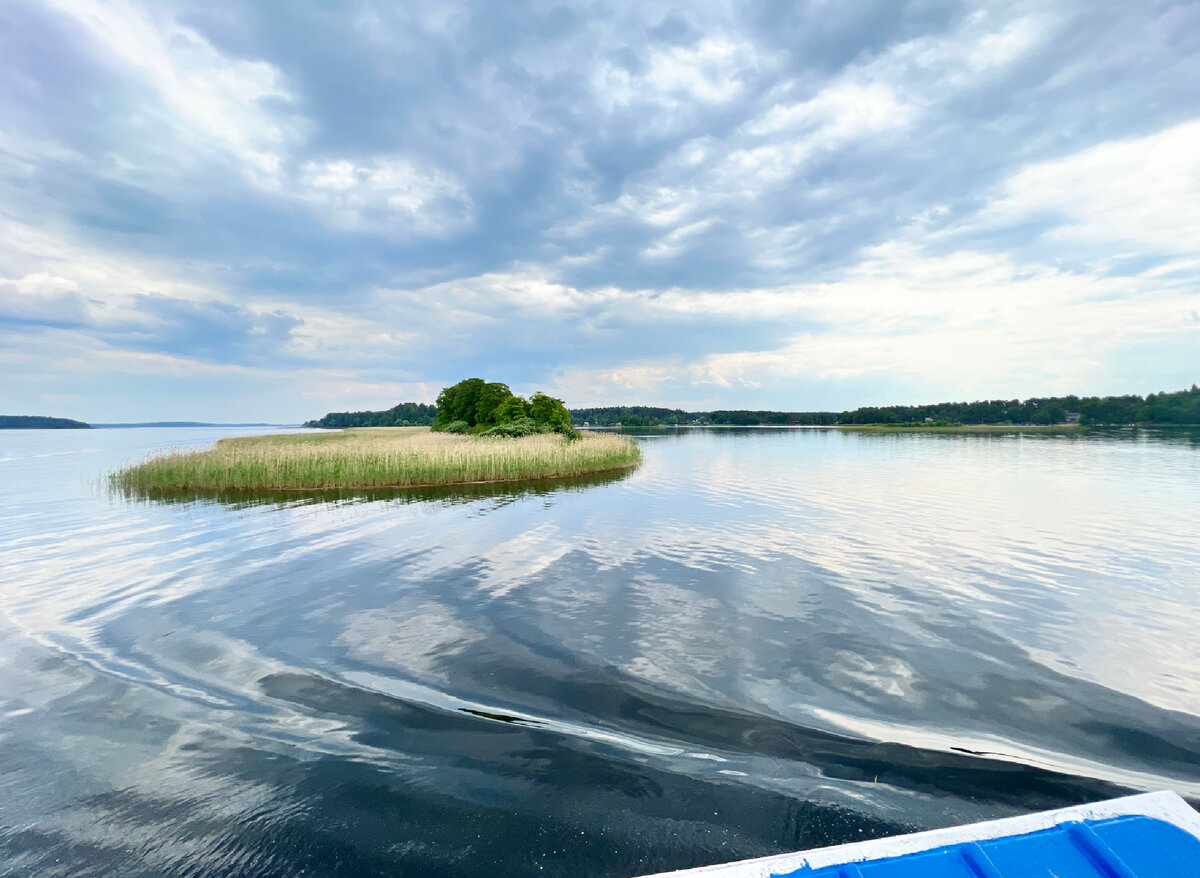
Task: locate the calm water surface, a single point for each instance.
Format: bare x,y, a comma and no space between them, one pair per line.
759,641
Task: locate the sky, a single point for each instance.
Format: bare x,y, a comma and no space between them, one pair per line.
263,211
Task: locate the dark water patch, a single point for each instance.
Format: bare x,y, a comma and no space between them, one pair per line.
280,815
386,722
500,717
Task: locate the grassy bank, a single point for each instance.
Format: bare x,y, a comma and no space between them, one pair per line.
962,428
382,457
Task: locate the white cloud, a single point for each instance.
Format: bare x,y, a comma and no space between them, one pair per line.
976,322
711,71
1143,192
662,137
708,71
972,319
677,240
39,265
609,385
389,194
842,111
209,102
704,179
41,297
49,279
964,59
366,338
528,292
873,104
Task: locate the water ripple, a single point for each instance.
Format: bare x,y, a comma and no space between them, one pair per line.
757,641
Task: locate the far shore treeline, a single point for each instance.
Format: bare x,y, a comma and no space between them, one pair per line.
473,405
38,422
1181,407
407,414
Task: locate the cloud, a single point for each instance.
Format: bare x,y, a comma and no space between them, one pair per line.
205,101
842,111
389,195
784,205
1141,192
41,298
710,71
796,154
965,323
200,330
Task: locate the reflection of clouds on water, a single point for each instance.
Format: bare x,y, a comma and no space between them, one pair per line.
521,558
1156,660
415,640
940,593
887,676
677,637
1028,536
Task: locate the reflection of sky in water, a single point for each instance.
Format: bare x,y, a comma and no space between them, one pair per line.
1032,597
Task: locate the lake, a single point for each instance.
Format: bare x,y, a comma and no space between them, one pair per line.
759,641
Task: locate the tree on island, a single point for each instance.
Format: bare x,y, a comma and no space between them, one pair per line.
492,409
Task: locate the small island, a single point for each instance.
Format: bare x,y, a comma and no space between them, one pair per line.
40,422
483,433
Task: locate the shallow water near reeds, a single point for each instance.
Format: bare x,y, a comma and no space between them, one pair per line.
757,641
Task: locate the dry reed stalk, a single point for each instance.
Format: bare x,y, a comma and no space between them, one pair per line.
374,458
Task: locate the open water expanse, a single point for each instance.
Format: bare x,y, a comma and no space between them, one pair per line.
759,641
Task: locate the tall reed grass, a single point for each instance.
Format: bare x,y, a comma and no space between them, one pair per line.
373,458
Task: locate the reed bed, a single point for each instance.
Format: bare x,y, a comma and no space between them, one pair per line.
383,457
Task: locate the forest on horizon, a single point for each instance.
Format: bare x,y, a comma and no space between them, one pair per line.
1178,407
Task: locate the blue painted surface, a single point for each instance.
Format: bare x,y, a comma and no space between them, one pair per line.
1117,847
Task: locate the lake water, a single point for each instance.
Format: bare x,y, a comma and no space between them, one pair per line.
759,641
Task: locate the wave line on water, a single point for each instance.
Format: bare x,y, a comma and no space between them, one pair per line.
1017,753
424,695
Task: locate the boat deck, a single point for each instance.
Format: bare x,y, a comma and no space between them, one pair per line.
1152,835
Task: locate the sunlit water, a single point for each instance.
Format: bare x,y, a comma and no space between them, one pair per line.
756,642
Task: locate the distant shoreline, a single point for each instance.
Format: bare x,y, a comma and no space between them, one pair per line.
134,425
961,428
40,422
877,428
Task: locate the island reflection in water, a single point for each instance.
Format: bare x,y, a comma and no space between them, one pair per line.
500,492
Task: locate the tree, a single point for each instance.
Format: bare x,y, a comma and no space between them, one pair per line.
510,410
459,402
491,397
548,410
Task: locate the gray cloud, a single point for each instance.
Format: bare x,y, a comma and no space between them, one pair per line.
296,161
211,331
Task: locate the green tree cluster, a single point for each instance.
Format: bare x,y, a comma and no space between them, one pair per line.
491,408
